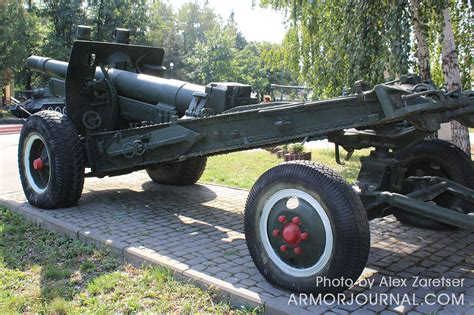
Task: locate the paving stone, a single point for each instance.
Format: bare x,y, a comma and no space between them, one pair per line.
247,282
204,231
426,308
351,307
363,312
241,275
319,309
375,307
456,309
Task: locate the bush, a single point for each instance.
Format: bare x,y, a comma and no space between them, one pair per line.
296,148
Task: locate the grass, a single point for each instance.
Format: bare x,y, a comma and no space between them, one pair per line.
242,169
5,114
41,272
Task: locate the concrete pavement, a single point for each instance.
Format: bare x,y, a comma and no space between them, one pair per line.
197,232
9,179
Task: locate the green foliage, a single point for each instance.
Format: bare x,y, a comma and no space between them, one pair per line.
192,24
18,28
463,28
106,15
328,44
296,148
199,46
63,16
53,272
331,44
225,55
212,60
161,26
461,10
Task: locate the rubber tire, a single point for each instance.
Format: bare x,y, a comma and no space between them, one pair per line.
453,161
66,160
345,211
181,173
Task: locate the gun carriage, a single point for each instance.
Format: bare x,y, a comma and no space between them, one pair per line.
302,220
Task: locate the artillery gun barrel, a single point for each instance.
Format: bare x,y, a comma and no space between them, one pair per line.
51,67
142,87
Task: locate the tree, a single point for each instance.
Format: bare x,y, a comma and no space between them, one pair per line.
251,69
271,69
231,26
422,48
193,24
106,15
445,47
212,60
222,58
162,33
330,44
452,78
161,24
19,27
64,16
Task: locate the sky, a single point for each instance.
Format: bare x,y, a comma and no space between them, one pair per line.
256,24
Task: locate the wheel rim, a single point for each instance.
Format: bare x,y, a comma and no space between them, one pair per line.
298,239
36,160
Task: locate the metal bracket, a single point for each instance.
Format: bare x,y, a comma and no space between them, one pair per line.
197,105
338,157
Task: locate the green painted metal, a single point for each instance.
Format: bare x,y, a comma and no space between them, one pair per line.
132,118
410,204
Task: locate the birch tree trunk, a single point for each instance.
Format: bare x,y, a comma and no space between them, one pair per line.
423,53
452,79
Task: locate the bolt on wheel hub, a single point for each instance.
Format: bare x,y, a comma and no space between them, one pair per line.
38,164
291,234
297,235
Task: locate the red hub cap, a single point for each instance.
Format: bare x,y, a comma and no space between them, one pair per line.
38,164
292,234
297,235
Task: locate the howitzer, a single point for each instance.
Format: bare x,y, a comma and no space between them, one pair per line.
302,220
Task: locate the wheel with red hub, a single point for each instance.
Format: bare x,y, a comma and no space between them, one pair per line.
436,158
304,224
51,161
